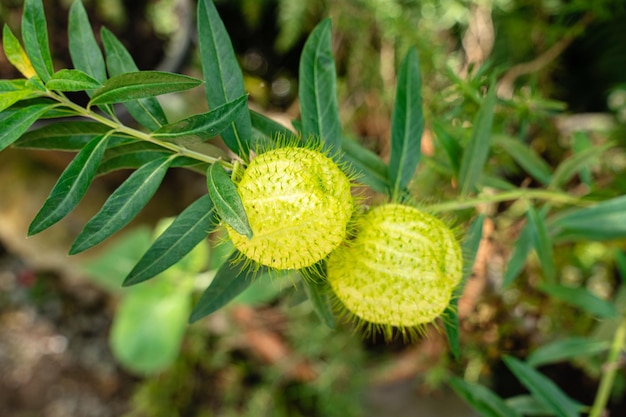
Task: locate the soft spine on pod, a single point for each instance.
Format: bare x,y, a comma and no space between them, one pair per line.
298,203
400,270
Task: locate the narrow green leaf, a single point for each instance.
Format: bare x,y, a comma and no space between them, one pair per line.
576,163
318,88
606,220
528,405
470,246
35,36
267,126
84,49
227,202
16,123
620,264
522,248
541,242
318,293
141,84
71,186
231,279
482,399
190,228
204,126
147,111
71,80
220,66
566,349
9,98
543,389
450,145
15,53
581,298
526,158
123,205
477,150
370,169
580,143
62,135
407,125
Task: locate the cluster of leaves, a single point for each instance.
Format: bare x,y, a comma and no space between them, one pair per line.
111,80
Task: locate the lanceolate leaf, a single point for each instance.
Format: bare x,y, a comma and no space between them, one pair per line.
204,126
220,66
35,36
522,248
541,242
566,349
15,53
188,229
123,205
606,220
576,163
407,125
84,50
370,169
477,150
135,154
227,202
71,185
71,80
318,292
141,84
543,389
62,135
318,88
581,298
470,249
15,124
482,399
146,111
526,158
450,146
231,280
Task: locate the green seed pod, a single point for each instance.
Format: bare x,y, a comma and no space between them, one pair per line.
400,269
298,203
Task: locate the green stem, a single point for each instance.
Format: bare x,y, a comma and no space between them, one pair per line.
551,196
610,370
177,149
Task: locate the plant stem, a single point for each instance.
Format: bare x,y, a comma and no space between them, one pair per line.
551,196
610,369
177,149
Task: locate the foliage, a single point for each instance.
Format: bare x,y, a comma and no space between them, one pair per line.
463,175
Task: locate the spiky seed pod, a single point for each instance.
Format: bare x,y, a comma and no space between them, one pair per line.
400,269
298,203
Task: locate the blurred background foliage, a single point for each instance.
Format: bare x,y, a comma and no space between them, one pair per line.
559,67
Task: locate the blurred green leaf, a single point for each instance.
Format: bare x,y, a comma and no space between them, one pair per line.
190,228
63,135
147,111
576,163
581,298
606,220
227,201
14,124
220,66
482,399
263,290
522,248
469,247
566,349
541,242
477,150
135,85
201,127
71,80
318,88
35,36
528,405
450,145
123,205
148,328
582,143
15,53
71,186
407,125
525,157
318,290
230,281
543,389
84,50
369,168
